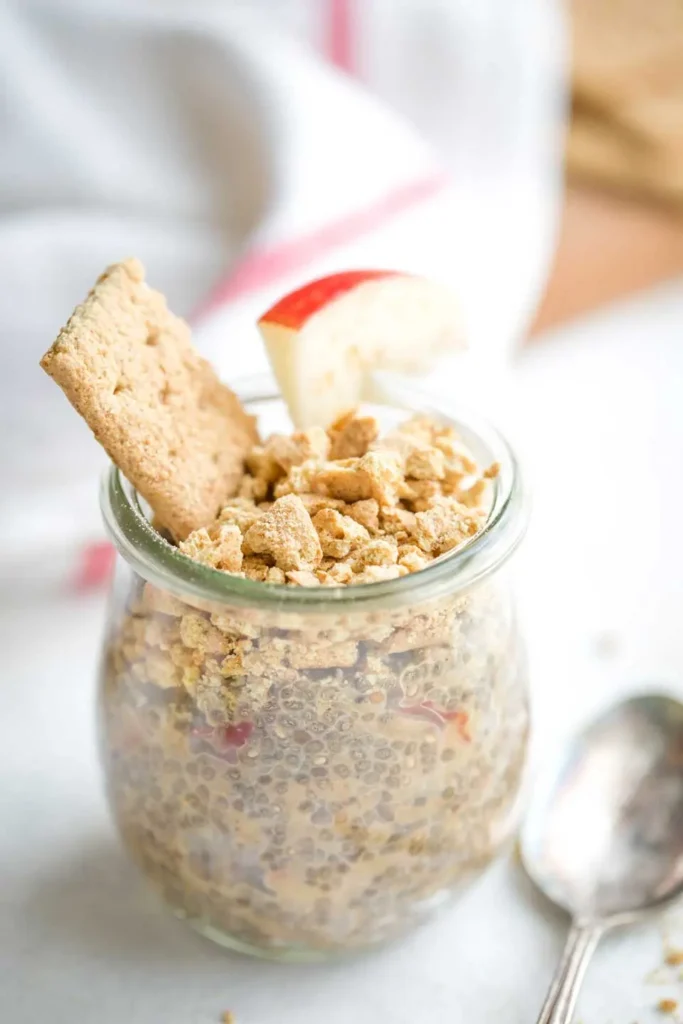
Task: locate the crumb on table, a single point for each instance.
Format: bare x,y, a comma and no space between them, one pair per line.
667,1006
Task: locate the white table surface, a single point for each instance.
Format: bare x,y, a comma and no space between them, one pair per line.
598,414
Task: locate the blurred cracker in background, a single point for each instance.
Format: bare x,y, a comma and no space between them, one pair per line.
627,123
623,220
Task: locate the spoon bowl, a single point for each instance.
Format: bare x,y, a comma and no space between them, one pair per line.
604,833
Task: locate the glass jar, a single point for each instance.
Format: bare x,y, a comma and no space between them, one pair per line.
303,771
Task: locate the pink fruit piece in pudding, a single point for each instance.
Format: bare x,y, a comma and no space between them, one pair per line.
224,739
428,711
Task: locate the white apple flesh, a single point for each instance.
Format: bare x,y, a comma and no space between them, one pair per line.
325,339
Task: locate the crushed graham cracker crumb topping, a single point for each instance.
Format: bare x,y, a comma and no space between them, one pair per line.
348,506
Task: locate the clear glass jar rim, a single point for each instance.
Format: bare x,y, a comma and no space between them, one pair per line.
159,562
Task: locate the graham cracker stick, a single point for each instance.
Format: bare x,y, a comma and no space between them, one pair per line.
128,366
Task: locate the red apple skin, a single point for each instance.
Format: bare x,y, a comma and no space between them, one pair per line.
296,308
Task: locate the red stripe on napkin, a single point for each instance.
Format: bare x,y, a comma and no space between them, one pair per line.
95,566
264,266
340,34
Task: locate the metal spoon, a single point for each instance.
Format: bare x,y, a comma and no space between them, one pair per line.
604,834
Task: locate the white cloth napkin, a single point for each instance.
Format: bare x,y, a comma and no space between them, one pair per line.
237,163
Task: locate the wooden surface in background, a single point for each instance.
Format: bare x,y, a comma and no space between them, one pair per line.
608,248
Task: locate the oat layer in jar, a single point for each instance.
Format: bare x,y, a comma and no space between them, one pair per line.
302,771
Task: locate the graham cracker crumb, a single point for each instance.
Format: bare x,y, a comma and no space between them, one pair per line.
339,575
256,567
458,457
303,578
398,521
667,1006
221,548
199,634
426,463
339,655
420,494
343,480
315,502
378,574
476,495
286,533
304,446
275,575
253,488
381,551
412,557
383,470
421,429
242,512
445,526
262,463
338,533
366,513
128,366
351,435
301,479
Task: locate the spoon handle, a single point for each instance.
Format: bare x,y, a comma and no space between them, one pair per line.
564,989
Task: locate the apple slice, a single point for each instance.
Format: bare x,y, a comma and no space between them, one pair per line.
325,339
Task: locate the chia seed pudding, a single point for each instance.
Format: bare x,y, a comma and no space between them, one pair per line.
297,783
